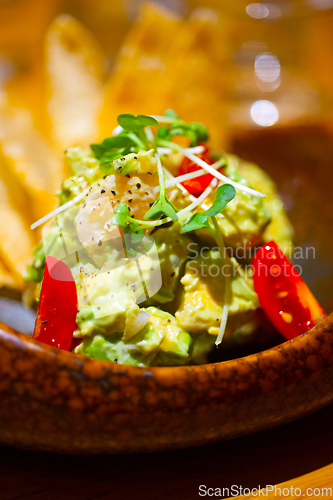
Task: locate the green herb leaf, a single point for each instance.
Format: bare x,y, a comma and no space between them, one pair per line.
121,215
171,114
200,132
197,221
161,207
195,131
134,123
119,141
123,219
223,196
163,133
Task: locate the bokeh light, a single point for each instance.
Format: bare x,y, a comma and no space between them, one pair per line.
264,113
257,10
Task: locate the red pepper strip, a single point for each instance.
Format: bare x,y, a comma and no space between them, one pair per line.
56,317
75,343
283,295
198,185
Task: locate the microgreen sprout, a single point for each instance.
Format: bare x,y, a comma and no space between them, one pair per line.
199,220
133,228
162,206
196,132
207,219
131,139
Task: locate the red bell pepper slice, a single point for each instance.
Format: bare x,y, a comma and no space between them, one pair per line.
283,295
56,317
198,185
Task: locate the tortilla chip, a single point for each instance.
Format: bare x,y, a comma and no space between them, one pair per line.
26,90
6,278
31,161
195,80
16,238
74,68
22,27
140,63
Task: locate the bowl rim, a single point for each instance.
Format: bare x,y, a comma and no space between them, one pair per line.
195,404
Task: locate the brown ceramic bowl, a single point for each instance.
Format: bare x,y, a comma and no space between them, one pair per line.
58,401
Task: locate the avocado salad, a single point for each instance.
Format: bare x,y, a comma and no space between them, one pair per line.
147,259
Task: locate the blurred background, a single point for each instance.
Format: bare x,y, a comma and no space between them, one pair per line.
259,75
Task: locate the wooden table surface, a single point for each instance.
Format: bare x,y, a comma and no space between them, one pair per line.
264,459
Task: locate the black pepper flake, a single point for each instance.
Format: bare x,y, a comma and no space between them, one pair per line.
149,173
100,243
130,200
130,191
128,176
135,157
45,322
172,274
127,283
151,203
120,168
102,191
84,205
115,360
138,185
113,192
132,216
169,320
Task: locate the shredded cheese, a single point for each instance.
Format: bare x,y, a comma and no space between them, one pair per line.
60,209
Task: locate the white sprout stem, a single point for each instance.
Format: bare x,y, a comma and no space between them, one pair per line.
227,285
184,190
224,319
192,175
196,150
60,209
160,173
199,200
117,130
185,177
212,171
150,134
